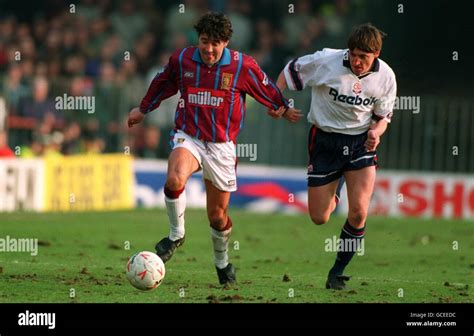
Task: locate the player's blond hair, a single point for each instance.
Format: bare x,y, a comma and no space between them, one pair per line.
366,37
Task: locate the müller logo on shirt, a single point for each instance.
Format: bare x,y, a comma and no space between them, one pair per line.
206,97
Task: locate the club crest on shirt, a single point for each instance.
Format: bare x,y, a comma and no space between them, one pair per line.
357,88
226,81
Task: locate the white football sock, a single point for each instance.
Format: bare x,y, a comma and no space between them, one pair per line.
220,242
175,209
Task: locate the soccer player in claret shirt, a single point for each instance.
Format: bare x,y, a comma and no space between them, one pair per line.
213,81
353,94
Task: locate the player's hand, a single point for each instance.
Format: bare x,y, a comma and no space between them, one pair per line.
292,115
373,140
276,114
135,117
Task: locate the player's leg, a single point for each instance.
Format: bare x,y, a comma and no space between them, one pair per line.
221,228
219,162
325,164
182,163
360,185
322,202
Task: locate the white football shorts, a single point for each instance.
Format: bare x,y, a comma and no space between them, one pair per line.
217,160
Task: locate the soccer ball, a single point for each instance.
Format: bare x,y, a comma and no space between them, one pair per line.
145,270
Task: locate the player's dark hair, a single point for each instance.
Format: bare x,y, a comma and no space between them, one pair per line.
366,37
216,26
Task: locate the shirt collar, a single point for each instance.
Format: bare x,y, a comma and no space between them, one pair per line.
347,64
225,58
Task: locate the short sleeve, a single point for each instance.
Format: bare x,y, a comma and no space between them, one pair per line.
302,71
384,106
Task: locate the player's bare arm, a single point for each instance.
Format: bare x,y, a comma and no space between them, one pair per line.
373,136
135,117
290,114
281,82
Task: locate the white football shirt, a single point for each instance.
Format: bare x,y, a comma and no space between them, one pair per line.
341,101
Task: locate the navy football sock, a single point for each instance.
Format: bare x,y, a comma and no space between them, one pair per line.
350,242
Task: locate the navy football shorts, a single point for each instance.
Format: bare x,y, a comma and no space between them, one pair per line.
331,154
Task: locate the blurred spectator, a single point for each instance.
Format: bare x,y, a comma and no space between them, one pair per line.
111,51
163,117
3,57
264,47
98,34
53,144
35,149
294,24
28,70
178,41
7,28
27,47
53,43
334,15
142,53
108,114
71,143
128,22
54,67
40,33
46,126
182,23
69,43
88,10
75,65
239,12
132,87
79,87
41,69
13,87
314,35
92,143
151,142
39,105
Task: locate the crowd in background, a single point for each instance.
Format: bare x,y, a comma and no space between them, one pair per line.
111,50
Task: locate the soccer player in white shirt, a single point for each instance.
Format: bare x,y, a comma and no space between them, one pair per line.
353,93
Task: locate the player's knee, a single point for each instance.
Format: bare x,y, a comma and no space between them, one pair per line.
319,219
217,218
357,217
175,182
